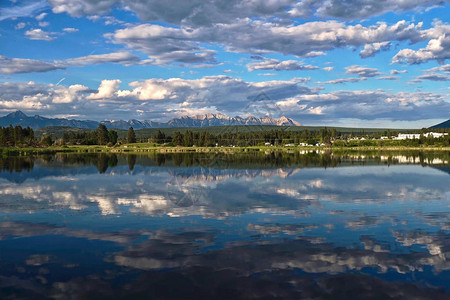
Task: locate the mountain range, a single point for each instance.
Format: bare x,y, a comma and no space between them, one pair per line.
445,124
36,122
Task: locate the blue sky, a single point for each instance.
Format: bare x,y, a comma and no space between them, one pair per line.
370,63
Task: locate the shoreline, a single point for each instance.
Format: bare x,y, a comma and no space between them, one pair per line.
144,148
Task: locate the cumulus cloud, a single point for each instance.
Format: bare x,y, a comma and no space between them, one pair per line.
79,8
185,44
195,12
396,72
20,65
353,10
122,57
70,29
444,68
71,94
368,105
362,71
41,16
275,64
158,98
314,54
343,80
441,73
438,48
370,49
433,77
163,99
39,34
201,13
387,78
163,44
108,90
20,25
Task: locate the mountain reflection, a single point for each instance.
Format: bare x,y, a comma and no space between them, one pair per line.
299,226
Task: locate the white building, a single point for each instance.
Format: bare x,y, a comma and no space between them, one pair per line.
410,136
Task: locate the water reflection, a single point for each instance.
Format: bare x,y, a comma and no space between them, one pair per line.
197,226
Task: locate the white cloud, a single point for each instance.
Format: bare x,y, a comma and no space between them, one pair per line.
20,65
368,105
70,94
370,49
275,64
444,68
433,77
108,90
79,8
314,54
163,44
438,47
166,45
353,10
201,12
26,10
441,73
20,25
70,29
157,98
395,72
122,57
44,24
163,99
41,16
388,78
343,80
362,71
39,34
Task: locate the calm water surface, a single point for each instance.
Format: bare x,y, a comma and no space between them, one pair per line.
215,226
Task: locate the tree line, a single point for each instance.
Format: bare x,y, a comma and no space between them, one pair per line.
324,136
100,136
244,139
18,136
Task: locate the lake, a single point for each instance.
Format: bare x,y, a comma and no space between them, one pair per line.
311,225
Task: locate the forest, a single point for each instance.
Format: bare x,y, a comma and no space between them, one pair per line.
25,137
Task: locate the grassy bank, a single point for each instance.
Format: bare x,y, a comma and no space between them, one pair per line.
145,147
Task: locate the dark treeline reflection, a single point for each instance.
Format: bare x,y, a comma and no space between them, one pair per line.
273,159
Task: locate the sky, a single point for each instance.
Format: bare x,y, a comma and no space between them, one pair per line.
367,63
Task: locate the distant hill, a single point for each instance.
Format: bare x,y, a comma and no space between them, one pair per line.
445,124
206,120
19,118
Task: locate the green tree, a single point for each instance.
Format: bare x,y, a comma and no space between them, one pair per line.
131,136
46,140
178,138
102,135
112,135
160,137
188,139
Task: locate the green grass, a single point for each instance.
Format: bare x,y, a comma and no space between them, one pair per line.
145,147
